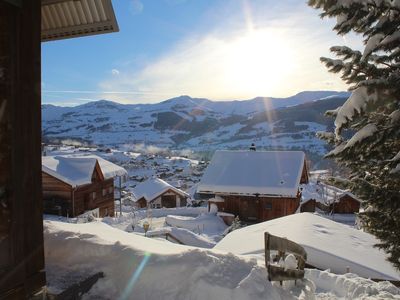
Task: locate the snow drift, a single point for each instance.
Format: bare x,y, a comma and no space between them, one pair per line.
329,245
136,267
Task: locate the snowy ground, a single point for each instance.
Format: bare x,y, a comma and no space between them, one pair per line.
329,245
189,225
136,267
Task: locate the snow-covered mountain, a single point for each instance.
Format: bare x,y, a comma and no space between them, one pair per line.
198,124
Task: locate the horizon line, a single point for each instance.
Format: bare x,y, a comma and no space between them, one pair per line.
75,104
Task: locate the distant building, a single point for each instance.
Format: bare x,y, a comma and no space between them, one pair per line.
255,185
329,199
75,184
156,193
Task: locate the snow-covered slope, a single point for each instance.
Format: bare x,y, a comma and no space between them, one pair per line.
137,268
195,123
329,245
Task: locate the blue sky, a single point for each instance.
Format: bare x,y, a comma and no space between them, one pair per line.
217,49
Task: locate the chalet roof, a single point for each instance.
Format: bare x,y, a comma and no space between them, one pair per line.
108,168
153,188
324,193
78,170
253,172
73,18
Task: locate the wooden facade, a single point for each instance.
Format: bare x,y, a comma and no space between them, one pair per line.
258,209
63,199
21,224
308,206
346,205
21,205
167,199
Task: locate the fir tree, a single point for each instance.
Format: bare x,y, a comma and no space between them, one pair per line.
367,127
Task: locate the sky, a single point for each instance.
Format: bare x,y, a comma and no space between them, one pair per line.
215,49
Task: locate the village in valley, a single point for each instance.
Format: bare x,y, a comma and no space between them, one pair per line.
107,192
224,204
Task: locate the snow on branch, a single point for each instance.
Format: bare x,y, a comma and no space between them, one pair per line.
365,132
396,157
356,103
372,43
396,169
395,116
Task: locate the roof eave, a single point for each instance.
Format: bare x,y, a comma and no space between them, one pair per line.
81,22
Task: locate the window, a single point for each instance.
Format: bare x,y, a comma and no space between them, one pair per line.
268,205
158,205
110,190
93,195
104,192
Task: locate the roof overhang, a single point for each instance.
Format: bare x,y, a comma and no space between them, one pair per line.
62,19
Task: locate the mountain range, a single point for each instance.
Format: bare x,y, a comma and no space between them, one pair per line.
198,124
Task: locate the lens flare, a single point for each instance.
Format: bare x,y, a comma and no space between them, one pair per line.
135,276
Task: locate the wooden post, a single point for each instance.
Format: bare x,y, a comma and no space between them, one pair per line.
120,196
21,243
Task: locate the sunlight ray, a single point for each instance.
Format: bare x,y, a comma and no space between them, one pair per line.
135,276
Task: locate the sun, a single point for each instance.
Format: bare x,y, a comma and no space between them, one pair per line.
259,62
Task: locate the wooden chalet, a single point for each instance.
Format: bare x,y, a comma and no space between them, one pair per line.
255,185
73,185
308,206
329,199
346,203
156,193
24,24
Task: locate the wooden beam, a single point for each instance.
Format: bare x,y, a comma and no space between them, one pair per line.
20,146
15,2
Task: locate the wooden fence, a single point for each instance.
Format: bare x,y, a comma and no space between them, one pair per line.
283,247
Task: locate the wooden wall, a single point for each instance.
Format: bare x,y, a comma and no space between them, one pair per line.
141,203
304,175
346,205
167,199
21,240
54,188
308,206
258,209
83,200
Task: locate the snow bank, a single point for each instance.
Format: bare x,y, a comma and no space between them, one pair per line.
350,286
329,245
206,223
184,236
136,267
182,211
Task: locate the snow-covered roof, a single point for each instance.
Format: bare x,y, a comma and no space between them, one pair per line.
329,245
324,193
253,172
108,168
154,187
77,170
